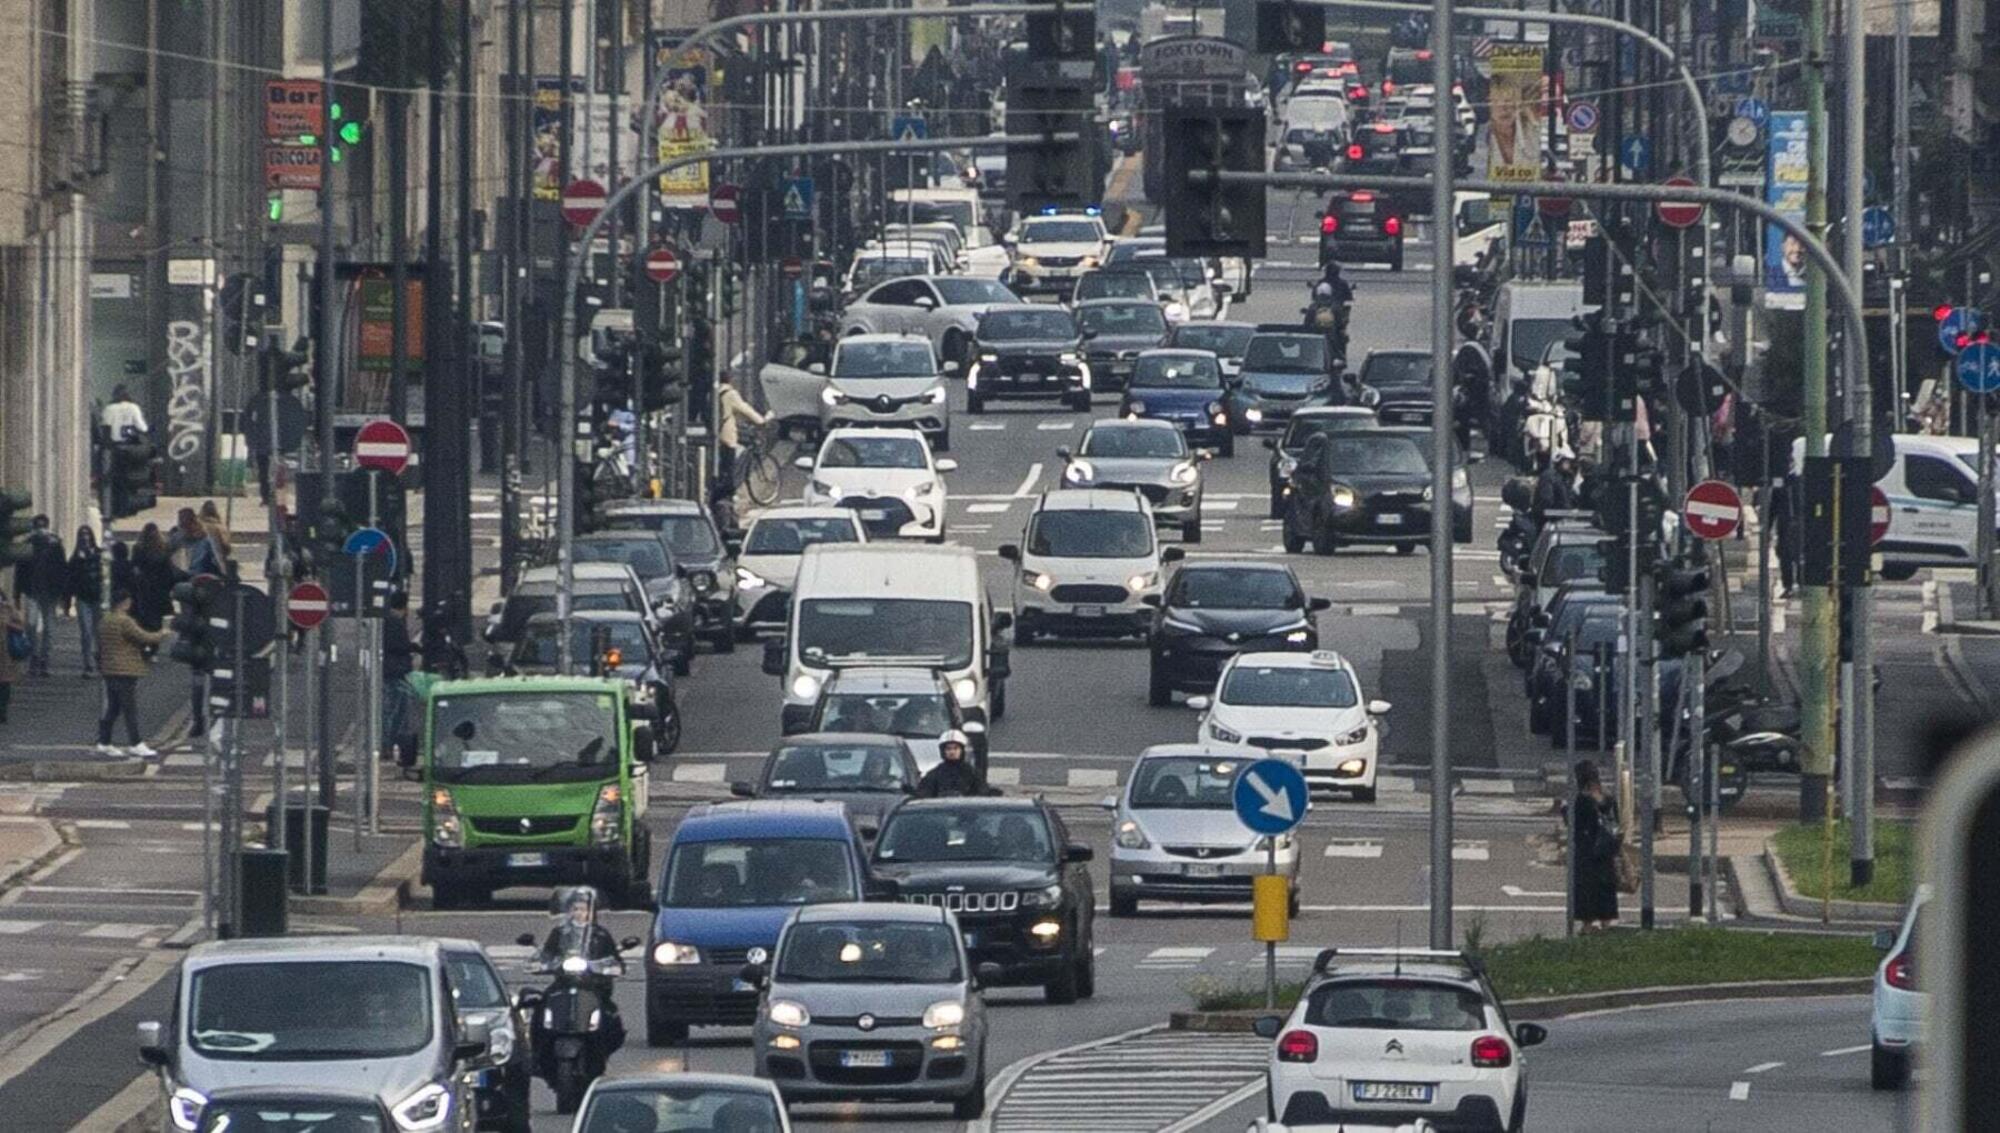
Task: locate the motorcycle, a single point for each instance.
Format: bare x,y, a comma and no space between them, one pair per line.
1329,318
1747,731
576,1029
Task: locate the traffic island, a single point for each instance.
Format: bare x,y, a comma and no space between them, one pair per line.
1795,858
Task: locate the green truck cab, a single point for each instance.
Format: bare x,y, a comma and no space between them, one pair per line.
534,781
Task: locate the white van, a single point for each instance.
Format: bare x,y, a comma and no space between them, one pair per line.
1527,317
985,257
857,604
1933,491
1089,559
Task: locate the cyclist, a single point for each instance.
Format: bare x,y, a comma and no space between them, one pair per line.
730,407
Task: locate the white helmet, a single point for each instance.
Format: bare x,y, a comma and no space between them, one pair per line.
954,736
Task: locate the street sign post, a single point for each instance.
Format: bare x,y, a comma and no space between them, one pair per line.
382,446
1979,367
662,265
1679,214
1712,510
1270,799
308,605
1878,227
373,542
582,200
792,267
725,203
1956,321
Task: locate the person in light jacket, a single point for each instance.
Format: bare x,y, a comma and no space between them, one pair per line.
121,652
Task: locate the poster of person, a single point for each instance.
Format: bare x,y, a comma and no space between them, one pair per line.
1515,106
1785,190
545,163
680,122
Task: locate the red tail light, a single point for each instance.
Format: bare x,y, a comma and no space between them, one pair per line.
1302,66
1359,93
1298,1046
1355,152
1491,1052
1329,224
1388,87
1385,127
1424,55
1941,312
1392,226
1350,69
1902,971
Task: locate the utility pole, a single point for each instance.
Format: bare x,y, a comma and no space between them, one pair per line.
514,279
399,227
1817,658
1859,711
323,357
1444,126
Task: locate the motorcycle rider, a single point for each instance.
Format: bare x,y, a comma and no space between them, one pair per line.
1332,288
579,934
1555,486
955,776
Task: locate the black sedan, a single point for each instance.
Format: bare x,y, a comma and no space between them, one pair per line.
1362,226
1359,488
1027,352
1303,427
1402,379
1116,332
1211,611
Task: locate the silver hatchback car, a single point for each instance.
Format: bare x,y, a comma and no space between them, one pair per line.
872,1002
1175,835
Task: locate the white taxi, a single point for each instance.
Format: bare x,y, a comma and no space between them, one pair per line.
1306,706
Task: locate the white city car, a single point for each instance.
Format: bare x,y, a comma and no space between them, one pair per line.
1089,559
1896,1026
769,562
888,478
1303,706
888,379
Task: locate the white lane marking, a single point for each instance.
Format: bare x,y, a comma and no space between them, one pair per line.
1175,957
1092,777
1353,848
701,772
987,426
1029,481
987,509
100,824
1517,891
1739,1091
1843,1051
1374,611
1469,852
1486,786
1221,505
119,931
1003,776
1054,426
1761,1067
17,928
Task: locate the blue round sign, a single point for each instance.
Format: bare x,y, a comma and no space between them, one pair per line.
1637,154
1950,327
1979,367
1878,226
1270,796
373,541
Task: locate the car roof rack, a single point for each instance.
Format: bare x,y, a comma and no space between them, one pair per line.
1328,957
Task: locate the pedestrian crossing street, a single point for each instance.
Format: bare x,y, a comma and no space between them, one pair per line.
1157,1079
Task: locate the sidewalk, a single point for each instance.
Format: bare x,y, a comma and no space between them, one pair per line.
54,718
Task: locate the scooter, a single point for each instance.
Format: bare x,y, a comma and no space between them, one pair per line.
571,1040
1324,316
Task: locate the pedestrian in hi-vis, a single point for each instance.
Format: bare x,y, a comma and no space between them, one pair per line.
121,653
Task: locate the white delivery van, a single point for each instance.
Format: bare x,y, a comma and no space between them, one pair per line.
1527,317
984,256
1933,490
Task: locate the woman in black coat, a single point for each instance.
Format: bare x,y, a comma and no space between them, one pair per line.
1594,847
83,581
154,576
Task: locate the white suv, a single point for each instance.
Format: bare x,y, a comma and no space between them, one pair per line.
1304,705
886,475
1392,1036
1896,1026
1088,562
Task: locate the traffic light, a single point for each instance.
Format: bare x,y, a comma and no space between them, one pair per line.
1586,381
1285,28
349,125
1212,218
1063,32
659,374
1681,612
1044,100
1635,370
15,524
196,602
132,482
732,290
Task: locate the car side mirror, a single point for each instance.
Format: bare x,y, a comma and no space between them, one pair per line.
474,1037
1199,703
816,368
152,1043
774,657
1318,604
1062,452
1090,332
1077,852
924,303
743,790
1108,802
1173,554
880,889
1530,1034
643,744
1271,443
987,975
1885,939
947,464
1011,552
1378,707
753,974
1267,1026
803,463
1152,600
1003,621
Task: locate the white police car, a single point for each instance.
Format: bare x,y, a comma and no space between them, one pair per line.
1305,706
1388,1037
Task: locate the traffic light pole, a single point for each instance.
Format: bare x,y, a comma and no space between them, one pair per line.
1444,119
566,344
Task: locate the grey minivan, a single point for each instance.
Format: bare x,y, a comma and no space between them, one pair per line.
373,1014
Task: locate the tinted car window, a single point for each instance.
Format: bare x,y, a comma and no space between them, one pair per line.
473,981
646,556
1527,338
687,536
1114,285
835,628
305,1010
837,767
1186,371
863,952
961,291
1397,371
1395,1005
1303,353
1361,453
1027,325
501,737
542,644
1229,342
883,360
1933,479
874,269
1059,232
1226,588
759,871
902,293
872,452
1091,535
1112,441
943,834
1134,318
680,1109
1303,429
1569,563
899,714
793,536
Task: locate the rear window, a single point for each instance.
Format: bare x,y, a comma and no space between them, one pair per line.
1396,1005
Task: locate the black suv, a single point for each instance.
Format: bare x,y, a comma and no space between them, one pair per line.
1018,884
1027,352
1361,226
1213,610
1362,487
1402,378
699,553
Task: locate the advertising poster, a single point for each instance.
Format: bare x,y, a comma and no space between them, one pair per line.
681,122
1785,190
1514,100
545,170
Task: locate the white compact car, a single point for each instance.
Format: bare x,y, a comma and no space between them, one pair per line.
1896,1026
768,564
1384,1037
888,379
886,476
1175,835
1088,561
1304,705
1050,252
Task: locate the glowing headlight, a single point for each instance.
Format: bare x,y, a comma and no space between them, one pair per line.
826,488
1343,496
428,1108
1297,637
1038,580
1139,582
668,954
935,396
1224,734
989,359
1351,767
1427,493
1184,473
1353,737
831,396
747,579
946,1013
1177,312
1080,472
1253,415
805,687
446,827
575,965
965,690
786,1013
1045,930
1130,837
185,1107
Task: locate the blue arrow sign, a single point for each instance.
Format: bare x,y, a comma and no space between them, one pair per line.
1979,367
1950,327
1878,227
1637,154
373,541
798,198
1270,796
909,128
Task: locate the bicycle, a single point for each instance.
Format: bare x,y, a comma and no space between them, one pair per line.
757,469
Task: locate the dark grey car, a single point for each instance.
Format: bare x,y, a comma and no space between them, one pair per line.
867,773
1115,333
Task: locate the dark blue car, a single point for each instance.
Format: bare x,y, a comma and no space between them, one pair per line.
1184,387
733,873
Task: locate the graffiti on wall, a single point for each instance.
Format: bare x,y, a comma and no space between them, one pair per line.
187,400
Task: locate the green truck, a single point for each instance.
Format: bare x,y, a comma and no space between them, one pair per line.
534,781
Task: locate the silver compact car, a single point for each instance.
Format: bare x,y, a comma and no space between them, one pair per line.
872,1002
1175,835
1149,457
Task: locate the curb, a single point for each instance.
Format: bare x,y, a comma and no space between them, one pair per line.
72,770
50,846
1559,1006
389,890
1795,904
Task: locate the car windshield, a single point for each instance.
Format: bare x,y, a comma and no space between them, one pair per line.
1114,285
883,360
876,952
1114,441
837,767
1090,534
687,536
1303,429
645,555
793,536
1177,371
302,1011
1527,338
541,645
1186,271
1183,782
1234,588
1060,232
1296,352
871,270
1570,562
1364,454
1282,381
835,629
872,452
680,1109
897,713
307,1115
520,736
1397,371
965,834
959,292
1289,686
1124,319
474,984
1027,324
1395,1005
758,872
1229,342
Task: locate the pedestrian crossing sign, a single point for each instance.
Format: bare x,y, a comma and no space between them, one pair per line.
798,198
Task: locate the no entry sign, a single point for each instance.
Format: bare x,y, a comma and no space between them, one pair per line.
1712,510
724,202
382,445
662,265
582,200
1878,515
307,605
1679,214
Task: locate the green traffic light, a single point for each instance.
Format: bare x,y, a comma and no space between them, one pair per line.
308,139
276,207
350,133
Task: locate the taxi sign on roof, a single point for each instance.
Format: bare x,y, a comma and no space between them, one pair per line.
1325,657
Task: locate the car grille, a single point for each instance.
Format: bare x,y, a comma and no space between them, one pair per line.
895,513
1389,501
906,1062
1203,852
528,826
874,1021
1059,261
883,403
1012,364
1088,592
1279,743
1156,494
1001,901
726,957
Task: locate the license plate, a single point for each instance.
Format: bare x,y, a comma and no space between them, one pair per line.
864,1059
876,514
482,1079
1392,1092
1390,520
1090,611
1034,377
1203,869
528,861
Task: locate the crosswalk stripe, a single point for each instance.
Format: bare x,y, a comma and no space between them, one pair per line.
119,931
1221,505
18,928
987,509
1469,851
1353,848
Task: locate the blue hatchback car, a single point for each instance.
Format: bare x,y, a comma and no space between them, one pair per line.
734,872
1184,387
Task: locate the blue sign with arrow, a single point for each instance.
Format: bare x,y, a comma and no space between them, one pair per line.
909,128
1270,796
1979,367
798,197
376,542
1637,154
1878,227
